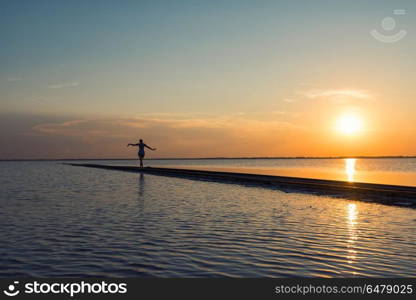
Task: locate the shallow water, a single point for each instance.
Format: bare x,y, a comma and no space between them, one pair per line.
61,220
370,170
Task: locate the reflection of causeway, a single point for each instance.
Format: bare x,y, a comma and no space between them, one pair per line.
141,185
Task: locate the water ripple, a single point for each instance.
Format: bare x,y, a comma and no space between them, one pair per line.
63,221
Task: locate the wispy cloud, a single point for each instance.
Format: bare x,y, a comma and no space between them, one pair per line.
212,136
127,127
289,100
63,85
278,112
14,79
338,94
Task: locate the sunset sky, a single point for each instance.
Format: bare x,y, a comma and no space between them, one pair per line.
81,79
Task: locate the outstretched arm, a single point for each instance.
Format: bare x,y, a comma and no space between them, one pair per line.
132,145
153,149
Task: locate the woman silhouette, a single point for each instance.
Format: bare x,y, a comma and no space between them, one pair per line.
141,150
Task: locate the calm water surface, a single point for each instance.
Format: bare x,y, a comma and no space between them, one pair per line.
60,220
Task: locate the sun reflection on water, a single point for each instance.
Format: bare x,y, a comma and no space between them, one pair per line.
350,168
352,214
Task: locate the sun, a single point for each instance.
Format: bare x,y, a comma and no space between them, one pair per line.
349,124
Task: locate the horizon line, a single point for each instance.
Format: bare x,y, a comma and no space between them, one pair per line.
219,157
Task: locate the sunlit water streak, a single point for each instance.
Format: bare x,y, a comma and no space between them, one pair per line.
350,168
352,232
65,221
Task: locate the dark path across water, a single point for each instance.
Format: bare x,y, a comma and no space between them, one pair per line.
380,193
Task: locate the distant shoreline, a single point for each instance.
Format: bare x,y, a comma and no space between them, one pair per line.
214,158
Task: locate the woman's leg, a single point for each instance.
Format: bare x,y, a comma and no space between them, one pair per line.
141,161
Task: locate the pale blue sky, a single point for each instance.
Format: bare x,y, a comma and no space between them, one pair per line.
177,55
